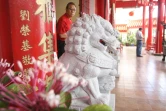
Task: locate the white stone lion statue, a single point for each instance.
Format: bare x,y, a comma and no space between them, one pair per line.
91,53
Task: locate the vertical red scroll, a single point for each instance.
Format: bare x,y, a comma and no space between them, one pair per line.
33,30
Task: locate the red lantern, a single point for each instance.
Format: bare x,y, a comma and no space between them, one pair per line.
131,13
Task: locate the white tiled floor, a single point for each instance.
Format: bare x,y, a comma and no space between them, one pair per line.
142,82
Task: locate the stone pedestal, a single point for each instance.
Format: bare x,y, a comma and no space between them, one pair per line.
82,105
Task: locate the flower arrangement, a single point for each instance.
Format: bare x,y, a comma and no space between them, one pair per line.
46,87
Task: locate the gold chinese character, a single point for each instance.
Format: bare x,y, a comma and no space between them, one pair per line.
45,8
25,30
26,60
47,43
25,45
24,14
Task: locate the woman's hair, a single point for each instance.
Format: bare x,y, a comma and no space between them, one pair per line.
70,3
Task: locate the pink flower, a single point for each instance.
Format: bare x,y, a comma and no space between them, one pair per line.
52,99
39,87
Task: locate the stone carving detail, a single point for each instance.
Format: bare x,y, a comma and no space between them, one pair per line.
91,53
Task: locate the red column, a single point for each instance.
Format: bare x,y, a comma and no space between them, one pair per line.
84,6
112,15
143,20
99,8
150,27
54,26
107,10
165,13
33,30
5,32
158,48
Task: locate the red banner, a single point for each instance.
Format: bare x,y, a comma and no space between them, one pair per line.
33,30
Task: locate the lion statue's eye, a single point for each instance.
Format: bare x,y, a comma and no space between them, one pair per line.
102,42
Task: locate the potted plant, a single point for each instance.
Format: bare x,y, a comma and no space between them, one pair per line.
131,40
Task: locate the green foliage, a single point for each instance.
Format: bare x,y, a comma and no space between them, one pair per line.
131,38
49,84
120,38
3,104
13,87
6,78
19,87
98,107
65,99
